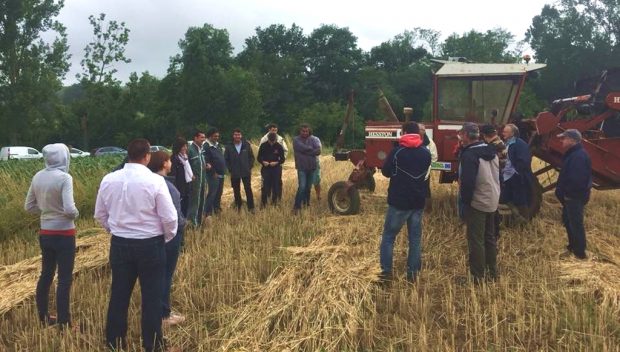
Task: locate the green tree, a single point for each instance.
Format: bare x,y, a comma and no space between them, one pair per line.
333,62
106,49
211,89
577,39
491,46
31,69
276,56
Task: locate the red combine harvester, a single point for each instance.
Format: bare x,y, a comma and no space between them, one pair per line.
481,93
597,117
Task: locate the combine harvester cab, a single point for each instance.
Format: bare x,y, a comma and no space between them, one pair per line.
462,92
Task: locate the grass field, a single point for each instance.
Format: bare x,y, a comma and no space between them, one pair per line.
274,282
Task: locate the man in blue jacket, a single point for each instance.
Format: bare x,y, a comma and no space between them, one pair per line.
406,166
517,173
573,191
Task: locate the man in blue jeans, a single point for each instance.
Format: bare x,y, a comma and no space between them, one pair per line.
135,206
406,166
573,191
307,148
216,169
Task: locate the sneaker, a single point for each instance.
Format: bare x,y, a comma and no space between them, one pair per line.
173,319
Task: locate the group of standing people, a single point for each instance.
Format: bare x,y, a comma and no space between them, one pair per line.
145,204
490,171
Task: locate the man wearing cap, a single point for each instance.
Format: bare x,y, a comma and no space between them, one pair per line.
479,189
489,134
573,190
517,174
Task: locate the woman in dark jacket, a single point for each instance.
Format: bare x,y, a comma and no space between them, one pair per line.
160,164
181,172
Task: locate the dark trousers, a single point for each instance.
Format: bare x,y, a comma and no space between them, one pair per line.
304,185
214,194
572,217
173,248
247,186
272,184
56,250
145,260
482,243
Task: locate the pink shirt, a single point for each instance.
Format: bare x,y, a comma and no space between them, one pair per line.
135,203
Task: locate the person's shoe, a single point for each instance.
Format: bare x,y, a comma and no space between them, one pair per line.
173,319
385,279
565,255
412,277
581,256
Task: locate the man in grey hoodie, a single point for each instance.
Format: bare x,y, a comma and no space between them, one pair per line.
479,190
51,196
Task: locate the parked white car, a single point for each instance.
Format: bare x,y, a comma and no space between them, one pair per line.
76,153
156,148
19,153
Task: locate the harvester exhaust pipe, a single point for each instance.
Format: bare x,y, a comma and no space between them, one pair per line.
408,112
387,109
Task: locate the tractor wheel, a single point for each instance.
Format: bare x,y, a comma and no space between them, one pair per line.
343,199
369,184
536,192
527,212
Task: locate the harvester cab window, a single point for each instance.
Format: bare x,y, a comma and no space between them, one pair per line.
481,100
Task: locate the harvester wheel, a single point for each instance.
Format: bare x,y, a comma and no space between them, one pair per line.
343,198
369,184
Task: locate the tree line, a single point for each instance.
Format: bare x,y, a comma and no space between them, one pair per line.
281,75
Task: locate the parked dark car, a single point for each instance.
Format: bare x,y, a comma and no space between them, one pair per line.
109,151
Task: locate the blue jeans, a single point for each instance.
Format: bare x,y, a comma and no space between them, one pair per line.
214,194
145,260
394,220
572,217
305,180
56,250
173,248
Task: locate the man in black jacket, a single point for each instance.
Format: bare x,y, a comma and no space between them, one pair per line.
406,166
214,156
271,156
573,191
479,189
239,160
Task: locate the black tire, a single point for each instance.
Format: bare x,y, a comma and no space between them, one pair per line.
536,192
369,184
343,199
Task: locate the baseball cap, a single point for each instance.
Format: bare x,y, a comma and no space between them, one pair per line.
470,128
572,134
488,129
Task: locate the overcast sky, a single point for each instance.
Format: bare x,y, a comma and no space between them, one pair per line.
158,25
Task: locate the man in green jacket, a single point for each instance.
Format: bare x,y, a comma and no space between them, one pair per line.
199,168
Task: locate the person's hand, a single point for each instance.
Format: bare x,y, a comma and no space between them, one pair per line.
274,163
266,163
193,177
208,166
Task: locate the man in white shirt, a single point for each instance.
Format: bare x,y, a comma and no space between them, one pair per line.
135,206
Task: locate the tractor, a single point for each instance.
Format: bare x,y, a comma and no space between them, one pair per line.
487,93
